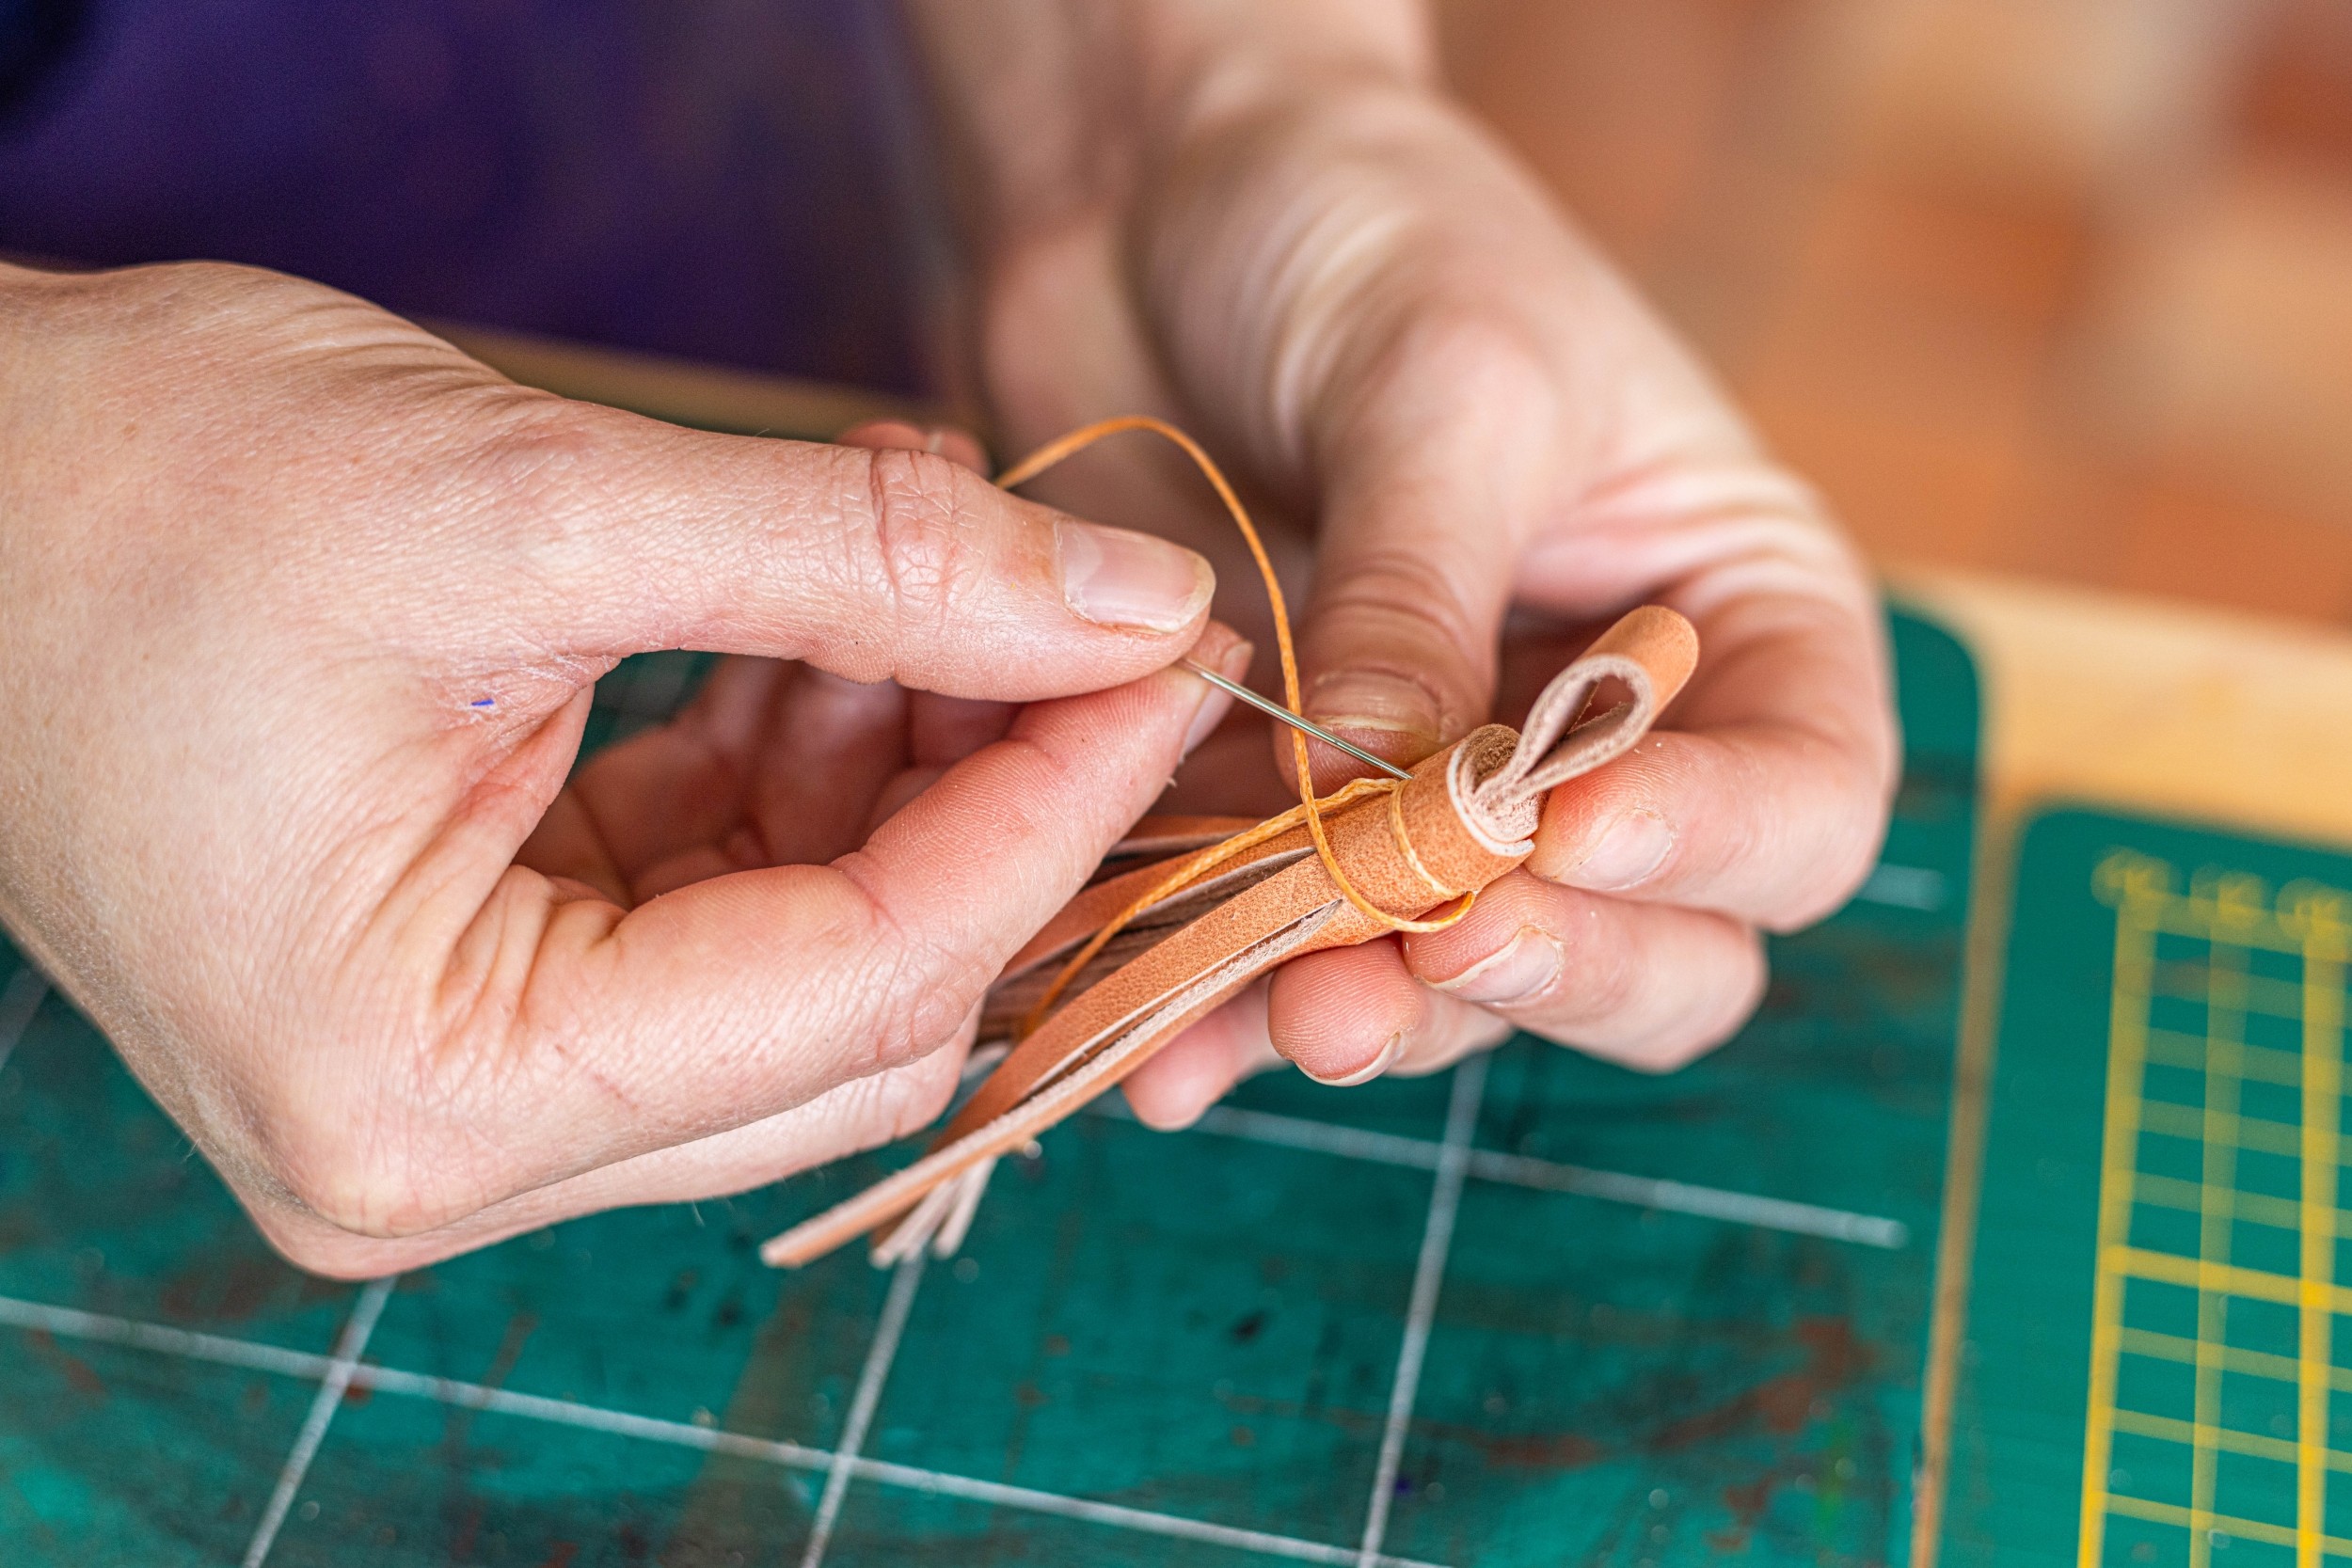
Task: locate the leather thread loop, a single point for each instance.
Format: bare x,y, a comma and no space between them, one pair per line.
1405,847
1309,810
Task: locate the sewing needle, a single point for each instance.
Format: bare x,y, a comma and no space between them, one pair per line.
1273,709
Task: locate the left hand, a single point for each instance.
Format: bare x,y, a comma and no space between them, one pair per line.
1474,445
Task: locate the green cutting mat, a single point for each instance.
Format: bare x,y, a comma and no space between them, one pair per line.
2158,1369
1537,1310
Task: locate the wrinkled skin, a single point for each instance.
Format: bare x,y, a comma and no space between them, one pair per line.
1475,446
303,608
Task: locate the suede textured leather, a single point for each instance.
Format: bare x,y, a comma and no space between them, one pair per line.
1467,815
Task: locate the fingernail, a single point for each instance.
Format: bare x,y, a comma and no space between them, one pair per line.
1525,967
1115,577
1215,704
1368,699
1369,1070
1628,852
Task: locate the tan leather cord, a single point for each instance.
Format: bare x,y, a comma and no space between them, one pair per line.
1191,870
1063,447
1385,855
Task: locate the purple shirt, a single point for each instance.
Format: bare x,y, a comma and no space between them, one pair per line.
727,181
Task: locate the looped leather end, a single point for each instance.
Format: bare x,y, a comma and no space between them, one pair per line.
1497,822
1651,653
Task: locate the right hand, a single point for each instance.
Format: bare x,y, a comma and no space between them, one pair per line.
300,610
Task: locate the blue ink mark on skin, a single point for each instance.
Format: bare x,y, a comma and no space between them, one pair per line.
481,701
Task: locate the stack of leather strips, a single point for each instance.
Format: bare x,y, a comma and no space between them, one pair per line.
1466,817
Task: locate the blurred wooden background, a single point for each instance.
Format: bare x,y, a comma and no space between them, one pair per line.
2058,287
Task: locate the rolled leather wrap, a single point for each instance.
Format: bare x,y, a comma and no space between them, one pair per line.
1467,817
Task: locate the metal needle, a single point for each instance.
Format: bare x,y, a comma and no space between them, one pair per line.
1273,709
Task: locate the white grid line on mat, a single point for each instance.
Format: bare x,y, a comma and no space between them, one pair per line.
161,1338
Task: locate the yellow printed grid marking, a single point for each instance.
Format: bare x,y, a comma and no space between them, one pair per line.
2225,949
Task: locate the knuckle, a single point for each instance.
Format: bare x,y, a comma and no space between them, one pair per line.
933,992
536,483
536,458
1463,342
372,1161
1392,592
930,551
914,988
353,1186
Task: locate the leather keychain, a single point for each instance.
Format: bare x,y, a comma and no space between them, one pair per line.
1217,902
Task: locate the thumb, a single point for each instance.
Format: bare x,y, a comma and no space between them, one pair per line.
868,564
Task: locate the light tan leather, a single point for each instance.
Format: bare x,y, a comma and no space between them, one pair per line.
1467,817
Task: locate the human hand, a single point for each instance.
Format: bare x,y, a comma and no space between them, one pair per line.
303,610
1284,237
